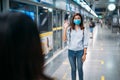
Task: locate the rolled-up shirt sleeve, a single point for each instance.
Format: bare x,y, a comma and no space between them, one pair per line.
86,38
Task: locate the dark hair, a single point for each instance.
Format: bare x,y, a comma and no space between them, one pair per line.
91,19
73,24
21,55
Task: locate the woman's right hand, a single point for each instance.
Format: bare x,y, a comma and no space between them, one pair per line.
66,25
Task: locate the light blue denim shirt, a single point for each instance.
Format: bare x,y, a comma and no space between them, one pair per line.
77,40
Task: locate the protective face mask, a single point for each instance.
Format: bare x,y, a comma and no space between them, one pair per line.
77,21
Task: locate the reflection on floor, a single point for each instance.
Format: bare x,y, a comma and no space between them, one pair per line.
103,58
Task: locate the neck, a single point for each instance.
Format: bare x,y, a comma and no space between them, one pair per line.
76,27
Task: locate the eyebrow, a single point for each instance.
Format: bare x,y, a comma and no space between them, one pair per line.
77,18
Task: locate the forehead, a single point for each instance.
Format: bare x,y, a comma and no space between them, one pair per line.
77,17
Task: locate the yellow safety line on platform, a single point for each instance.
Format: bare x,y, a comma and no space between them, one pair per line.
57,28
102,78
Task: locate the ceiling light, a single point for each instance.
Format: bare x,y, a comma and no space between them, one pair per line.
50,9
111,7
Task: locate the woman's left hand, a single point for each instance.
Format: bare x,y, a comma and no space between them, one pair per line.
83,58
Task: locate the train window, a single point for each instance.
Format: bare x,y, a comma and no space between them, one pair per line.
45,20
50,21
59,18
24,8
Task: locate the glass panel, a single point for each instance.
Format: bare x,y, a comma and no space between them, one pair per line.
58,33
59,18
45,20
59,39
54,18
22,7
47,46
50,21
54,40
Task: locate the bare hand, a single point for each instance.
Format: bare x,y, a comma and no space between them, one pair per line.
83,58
65,25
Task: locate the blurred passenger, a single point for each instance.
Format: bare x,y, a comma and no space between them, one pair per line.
77,38
101,23
91,25
21,55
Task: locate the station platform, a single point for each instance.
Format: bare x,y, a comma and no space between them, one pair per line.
102,62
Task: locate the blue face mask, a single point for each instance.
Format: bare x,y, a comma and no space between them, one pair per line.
77,21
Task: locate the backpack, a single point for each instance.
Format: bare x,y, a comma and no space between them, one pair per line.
93,24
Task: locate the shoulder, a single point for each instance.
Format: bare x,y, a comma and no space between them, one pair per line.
85,30
68,28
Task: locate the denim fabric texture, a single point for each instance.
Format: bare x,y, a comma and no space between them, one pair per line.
75,59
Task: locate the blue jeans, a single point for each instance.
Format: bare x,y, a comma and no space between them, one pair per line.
91,30
75,58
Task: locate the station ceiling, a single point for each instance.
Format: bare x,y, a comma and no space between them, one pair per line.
101,6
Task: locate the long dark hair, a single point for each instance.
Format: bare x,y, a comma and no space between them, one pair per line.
21,55
73,24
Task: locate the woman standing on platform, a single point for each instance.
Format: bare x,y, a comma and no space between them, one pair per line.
77,39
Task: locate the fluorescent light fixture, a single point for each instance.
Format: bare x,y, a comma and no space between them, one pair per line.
45,7
87,8
92,12
50,9
81,4
84,5
100,16
111,7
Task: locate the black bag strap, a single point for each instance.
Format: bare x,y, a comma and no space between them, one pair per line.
83,37
69,35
